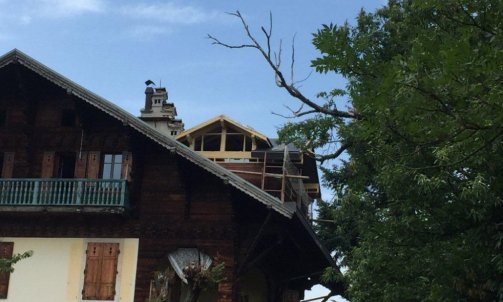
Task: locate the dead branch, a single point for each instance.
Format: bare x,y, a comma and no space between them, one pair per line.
275,65
295,115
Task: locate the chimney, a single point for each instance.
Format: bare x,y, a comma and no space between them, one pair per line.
149,92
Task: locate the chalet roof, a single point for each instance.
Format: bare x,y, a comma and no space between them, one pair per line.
223,119
17,57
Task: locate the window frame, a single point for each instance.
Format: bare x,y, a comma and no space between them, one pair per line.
115,171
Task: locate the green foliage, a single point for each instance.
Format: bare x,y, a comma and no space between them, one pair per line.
7,265
418,205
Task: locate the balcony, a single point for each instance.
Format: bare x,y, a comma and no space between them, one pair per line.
63,195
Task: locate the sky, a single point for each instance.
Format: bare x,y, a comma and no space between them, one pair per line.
112,47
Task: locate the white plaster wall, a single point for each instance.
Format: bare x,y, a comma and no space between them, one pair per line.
55,271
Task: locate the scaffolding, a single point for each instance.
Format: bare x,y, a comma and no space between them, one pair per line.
282,179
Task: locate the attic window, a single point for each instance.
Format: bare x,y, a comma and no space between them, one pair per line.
68,118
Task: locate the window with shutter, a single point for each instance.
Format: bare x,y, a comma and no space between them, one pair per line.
101,271
6,249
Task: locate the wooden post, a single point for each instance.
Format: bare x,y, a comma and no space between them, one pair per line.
283,179
263,170
223,137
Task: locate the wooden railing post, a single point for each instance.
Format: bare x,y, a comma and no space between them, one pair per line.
36,190
123,193
78,195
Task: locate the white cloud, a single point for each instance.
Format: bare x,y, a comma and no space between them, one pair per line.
25,11
67,8
169,13
147,32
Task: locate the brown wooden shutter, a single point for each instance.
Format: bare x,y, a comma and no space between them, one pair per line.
127,162
101,271
48,164
6,249
8,164
93,164
81,165
109,271
92,271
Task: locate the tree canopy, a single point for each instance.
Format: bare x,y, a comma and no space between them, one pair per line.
419,201
418,210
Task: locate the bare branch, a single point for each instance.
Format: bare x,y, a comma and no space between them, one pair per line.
293,60
280,79
304,79
295,114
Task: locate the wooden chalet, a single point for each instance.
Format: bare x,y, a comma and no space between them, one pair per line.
108,203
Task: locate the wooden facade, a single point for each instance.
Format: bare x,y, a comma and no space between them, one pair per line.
54,129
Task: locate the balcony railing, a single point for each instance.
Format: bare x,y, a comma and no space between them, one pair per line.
63,192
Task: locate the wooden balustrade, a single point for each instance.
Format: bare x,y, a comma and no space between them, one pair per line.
63,192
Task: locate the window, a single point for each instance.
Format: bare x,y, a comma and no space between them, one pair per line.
58,164
65,165
112,164
6,249
101,271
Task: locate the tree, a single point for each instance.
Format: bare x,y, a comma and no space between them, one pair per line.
418,210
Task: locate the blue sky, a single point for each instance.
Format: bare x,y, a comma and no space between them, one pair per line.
113,47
